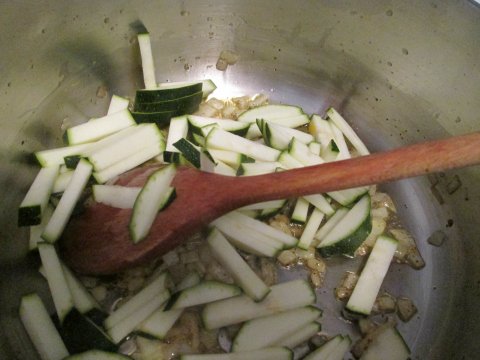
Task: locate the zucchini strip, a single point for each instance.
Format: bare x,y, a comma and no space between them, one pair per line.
148,65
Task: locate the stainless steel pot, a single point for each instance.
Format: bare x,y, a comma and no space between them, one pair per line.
399,71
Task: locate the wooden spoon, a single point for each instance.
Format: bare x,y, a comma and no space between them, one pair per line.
98,241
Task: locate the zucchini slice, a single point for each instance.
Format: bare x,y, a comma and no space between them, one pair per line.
56,156
98,355
180,106
35,201
319,201
315,148
167,93
329,350
311,228
125,326
347,130
300,212
159,323
117,104
205,292
233,126
82,299
128,163
388,344
62,181
331,223
148,64
260,227
288,161
349,233
268,330
302,153
282,297
366,290
57,282
223,140
229,258
37,230
348,196
258,168
247,239
41,329
159,118
64,209
96,129
195,155
340,143
122,197
223,169
230,158
300,336
143,136
265,205
152,290
178,130
277,353
208,86
279,137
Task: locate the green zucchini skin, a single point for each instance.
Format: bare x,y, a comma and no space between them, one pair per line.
165,94
179,106
160,118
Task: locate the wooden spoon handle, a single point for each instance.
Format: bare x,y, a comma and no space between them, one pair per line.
409,161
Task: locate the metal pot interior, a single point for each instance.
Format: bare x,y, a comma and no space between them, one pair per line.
400,72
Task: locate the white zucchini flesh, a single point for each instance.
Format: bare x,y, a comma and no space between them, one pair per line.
117,103
347,130
34,203
57,282
37,230
288,161
319,201
177,130
153,197
107,141
122,197
159,322
262,228
324,351
366,290
230,158
82,299
229,258
97,355
125,326
287,121
343,152
64,209
148,65
56,156
128,163
302,153
277,353
208,86
279,137
321,130
152,290
40,329
272,204
258,168
223,140
96,129
341,349
267,330
315,148
348,223
223,169
247,239
225,124
331,223
143,136
300,212
205,292
282,297
348,196
300,336
268,112
389,344
62,181
311,228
